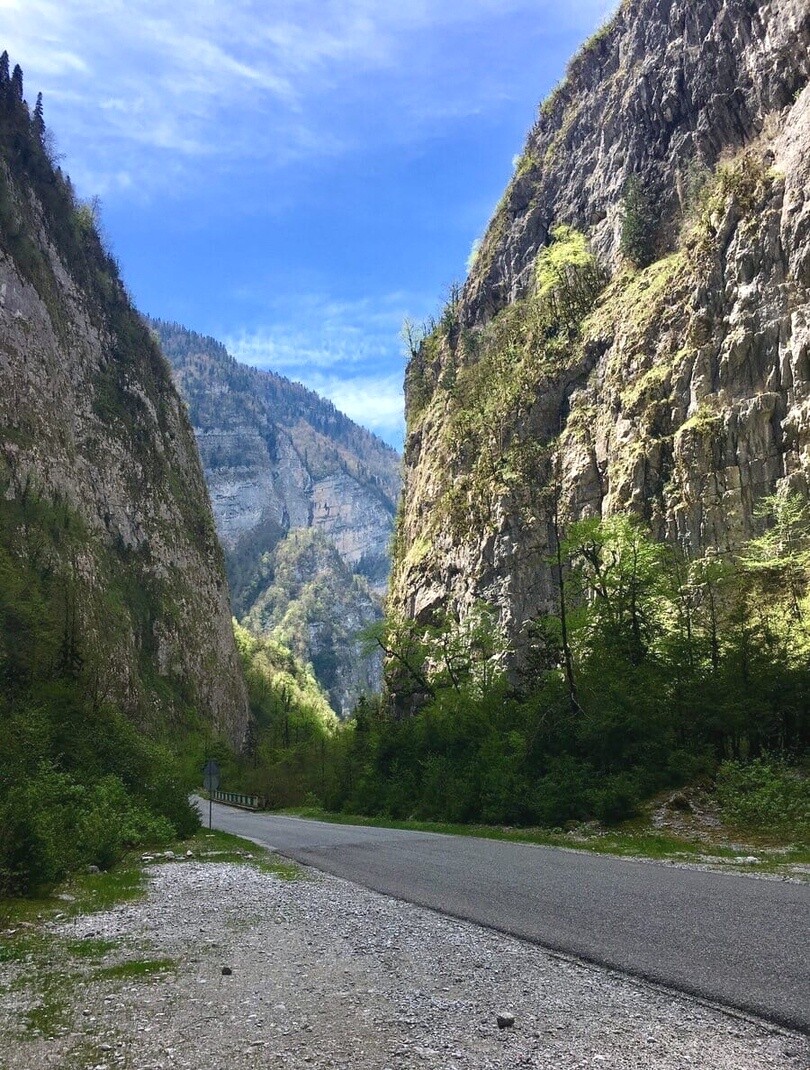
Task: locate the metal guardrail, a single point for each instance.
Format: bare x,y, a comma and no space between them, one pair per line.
234,798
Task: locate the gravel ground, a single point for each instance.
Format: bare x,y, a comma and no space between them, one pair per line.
328,975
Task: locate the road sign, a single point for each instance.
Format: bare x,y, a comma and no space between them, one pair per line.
211,775
211,784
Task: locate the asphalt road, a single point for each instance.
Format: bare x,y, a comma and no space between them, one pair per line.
735,940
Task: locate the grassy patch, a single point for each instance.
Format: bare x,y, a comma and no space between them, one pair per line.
22,946
20,912
90,949
133,970
95,892
286,871
52,1016
86,893
215,846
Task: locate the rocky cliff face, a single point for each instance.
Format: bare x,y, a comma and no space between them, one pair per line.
94,435
279,459
679,390
306,596
665,86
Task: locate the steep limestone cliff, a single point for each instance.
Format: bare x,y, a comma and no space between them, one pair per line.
666,84
678,390
95,440
305,595
280,460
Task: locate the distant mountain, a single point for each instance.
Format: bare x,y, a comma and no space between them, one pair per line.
278,459
307,597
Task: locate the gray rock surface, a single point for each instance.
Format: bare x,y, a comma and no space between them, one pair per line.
91,421
276,454
686,398
665,84
308,598
279,459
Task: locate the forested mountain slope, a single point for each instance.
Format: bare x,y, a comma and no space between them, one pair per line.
280,459
115,626
633,335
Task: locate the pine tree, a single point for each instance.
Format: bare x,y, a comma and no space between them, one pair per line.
39,121
5,77
17,83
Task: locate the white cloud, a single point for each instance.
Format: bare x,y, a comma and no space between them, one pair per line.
348,351
318,331
240,79
375,401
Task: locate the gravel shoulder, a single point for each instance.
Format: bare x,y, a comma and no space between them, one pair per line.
326,974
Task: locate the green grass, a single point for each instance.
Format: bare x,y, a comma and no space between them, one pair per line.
95,892
133,970
85,893
22,946
89,893
52,1015
215,846
90,949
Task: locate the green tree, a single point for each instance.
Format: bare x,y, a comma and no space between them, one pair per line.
38,120
619,575
639,225
17,83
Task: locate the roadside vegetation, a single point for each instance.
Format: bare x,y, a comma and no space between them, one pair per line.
90,739
79,784
737,849
658,672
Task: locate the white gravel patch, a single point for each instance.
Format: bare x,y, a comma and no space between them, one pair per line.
328,975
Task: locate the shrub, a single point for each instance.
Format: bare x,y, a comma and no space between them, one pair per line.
568,278
639,225
765,794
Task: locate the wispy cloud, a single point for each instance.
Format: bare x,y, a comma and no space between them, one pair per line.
240,79
238,110
348,351
376,401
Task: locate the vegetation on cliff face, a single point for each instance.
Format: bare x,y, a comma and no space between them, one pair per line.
116,650
304,595
601,581
619,384
647,665
78,781
284,756
667,670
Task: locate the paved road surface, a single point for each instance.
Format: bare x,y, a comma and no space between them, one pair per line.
738,941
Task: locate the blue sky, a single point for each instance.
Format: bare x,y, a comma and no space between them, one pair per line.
296,177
